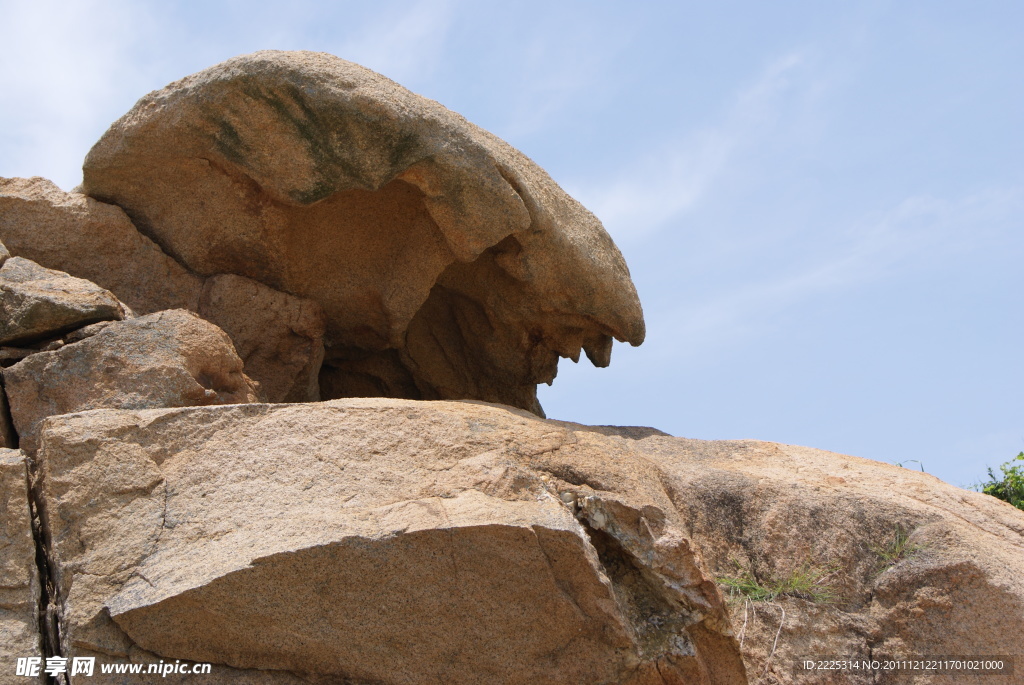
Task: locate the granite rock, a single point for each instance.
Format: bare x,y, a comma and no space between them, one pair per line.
166,359
38,303
448,264
19,579
92,240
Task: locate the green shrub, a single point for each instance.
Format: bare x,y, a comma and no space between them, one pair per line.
1009,488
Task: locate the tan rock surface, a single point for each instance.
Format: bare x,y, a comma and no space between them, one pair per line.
19,580
166,359
779,509
8,436
38,303
92,240
278,336
381,540
447,263
411,542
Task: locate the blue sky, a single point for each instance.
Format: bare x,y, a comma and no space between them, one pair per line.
822,204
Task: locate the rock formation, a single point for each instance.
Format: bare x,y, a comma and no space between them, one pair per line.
448,265
289,227
75,234
399,541
19,577
167,359
38,303
279,336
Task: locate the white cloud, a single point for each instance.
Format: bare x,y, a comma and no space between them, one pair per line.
404,44
668,181
919,233
62,65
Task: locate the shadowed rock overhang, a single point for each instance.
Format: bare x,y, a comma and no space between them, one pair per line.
447,263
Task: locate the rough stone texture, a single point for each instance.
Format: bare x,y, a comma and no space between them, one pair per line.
278,336
447,263
19,579
92,240
394,541
382,540
775,509
4,254
8,436
166,359
38,303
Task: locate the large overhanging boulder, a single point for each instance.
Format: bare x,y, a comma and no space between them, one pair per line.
448,264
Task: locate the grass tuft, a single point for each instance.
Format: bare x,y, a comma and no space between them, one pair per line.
807,582
896,549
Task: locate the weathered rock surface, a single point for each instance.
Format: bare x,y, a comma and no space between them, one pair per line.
380,540
447,263
4,254
8,436
92,240
772,511
395,541
166,359
38,303
19,580
279,336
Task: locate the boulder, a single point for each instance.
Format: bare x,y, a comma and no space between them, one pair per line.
19,578
4,254
166,359
38,303
448,264
869,559
279,336
376,540
92,240
396,541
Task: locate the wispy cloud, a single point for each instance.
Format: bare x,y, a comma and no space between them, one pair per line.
405,43
556,65
918,234
670,180
62,65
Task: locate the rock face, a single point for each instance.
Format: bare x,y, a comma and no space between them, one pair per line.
19,580
819,526
448,265
279,336
395,541
38,303
92,240
167,359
